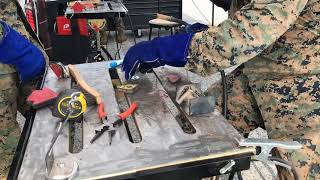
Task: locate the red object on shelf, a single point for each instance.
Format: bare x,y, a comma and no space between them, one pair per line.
78,7
63,26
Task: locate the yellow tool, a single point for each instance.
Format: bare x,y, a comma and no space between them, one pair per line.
62,105
79,107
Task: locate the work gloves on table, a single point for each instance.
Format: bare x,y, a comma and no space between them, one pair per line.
169,50
16,50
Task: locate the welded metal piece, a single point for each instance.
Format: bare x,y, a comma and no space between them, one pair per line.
63,169
199,105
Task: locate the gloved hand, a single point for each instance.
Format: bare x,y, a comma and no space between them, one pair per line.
169,50
196,27
16,50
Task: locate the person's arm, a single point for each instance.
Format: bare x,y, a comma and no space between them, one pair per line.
255,27
1,32
19,52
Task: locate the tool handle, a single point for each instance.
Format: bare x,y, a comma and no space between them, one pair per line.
102,114
171,18
127,113
77,76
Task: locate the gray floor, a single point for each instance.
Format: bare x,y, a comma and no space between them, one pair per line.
258,170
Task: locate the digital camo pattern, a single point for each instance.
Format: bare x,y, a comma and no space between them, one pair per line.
9,129
9,14
278,45
243,111
1,32
12,98
12,95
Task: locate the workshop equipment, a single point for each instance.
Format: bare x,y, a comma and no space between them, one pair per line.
200,105
102,10
77,77
42,98
110,127
70,107
63,26
266,146
142,11
62,72
61,105
161,136
127,88
97,25
192,101
96,10
187,92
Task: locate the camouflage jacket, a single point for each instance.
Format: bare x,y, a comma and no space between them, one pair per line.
271,38
9,13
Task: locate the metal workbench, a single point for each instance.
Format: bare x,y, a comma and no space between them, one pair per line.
165,149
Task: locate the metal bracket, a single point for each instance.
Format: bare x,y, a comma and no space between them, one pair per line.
267,145
227,167
62,169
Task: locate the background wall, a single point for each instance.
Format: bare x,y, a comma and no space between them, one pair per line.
201,11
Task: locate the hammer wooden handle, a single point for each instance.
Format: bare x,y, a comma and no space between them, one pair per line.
171,18
77,76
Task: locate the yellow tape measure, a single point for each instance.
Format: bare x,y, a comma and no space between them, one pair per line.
78,107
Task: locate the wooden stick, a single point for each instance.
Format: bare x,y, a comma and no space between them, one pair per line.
77,76
171,18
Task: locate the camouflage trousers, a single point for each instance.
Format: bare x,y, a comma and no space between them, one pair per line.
246,111
12,98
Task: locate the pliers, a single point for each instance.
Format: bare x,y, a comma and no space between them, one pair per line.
111,127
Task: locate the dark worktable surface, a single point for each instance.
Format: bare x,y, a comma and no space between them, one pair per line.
163,144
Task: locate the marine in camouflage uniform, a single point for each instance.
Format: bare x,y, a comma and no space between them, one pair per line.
277,85
12,95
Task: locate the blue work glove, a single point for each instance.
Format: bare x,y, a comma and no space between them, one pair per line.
169,50
16,50
196,27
